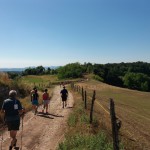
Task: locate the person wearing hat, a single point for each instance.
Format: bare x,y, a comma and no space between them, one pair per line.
12,110
64,95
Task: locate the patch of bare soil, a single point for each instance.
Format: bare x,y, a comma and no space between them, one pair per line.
41,131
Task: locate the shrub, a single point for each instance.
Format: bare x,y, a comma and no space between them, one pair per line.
98,78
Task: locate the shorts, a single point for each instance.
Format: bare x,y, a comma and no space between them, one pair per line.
64,98
13,125
46,102
35,102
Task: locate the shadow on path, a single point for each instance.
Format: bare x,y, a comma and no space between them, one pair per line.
55,115
45,116
69,107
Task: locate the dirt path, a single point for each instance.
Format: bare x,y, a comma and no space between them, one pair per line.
43,132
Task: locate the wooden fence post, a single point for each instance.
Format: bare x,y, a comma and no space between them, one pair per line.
85,99
82,94
115,125
92,106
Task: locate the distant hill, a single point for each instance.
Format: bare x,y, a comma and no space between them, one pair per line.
12,69
22,69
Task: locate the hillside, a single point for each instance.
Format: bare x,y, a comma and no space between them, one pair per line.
132,108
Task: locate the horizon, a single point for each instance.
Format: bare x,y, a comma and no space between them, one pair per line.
51,66
55,33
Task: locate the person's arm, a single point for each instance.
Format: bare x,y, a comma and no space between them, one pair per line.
48,96
21,110
3,107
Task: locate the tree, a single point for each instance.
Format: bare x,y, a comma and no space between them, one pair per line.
137,81
73,70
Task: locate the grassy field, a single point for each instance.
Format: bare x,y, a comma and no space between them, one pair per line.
43,79
132,108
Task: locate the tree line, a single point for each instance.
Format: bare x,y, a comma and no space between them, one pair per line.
39,70
134,75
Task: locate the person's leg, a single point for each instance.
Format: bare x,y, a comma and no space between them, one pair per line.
36,107
43,106
33,107
65,103
46,107
13,134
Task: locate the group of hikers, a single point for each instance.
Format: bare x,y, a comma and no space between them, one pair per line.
13,110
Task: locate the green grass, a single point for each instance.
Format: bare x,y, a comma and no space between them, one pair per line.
86,142
43,79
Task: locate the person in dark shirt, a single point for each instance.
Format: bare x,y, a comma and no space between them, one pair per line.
12,110
64,95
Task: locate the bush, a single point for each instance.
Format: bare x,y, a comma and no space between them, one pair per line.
98,78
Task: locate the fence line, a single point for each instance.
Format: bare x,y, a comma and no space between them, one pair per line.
117,121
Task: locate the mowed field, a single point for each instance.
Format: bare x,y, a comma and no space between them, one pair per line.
132,108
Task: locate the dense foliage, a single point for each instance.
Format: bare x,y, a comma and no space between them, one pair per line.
74,70
131,75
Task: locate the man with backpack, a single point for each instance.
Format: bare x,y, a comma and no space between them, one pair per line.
12,110
46,100
64,95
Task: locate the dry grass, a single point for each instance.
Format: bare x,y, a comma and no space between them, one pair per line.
4,79
23,88
132,107
81,134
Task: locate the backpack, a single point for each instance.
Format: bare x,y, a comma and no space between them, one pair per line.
45,96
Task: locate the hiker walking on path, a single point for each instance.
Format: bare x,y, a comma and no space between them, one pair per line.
12,110
46,100
32,92
35,103
64,95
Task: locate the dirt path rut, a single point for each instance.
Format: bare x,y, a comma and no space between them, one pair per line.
43,132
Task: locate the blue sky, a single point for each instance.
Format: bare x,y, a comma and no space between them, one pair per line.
58,32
